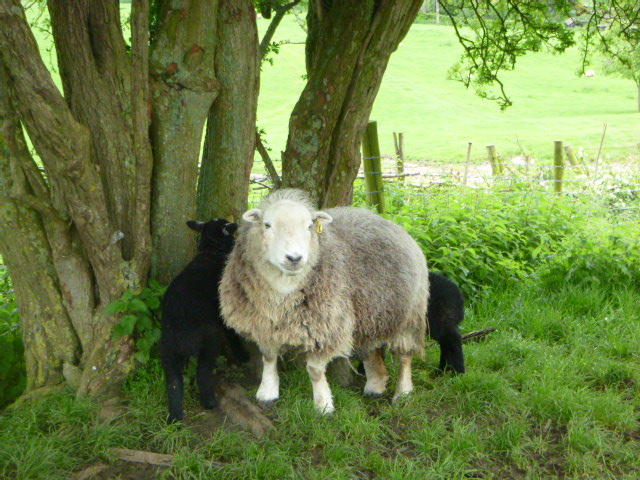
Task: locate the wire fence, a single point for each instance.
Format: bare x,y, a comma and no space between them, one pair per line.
597,185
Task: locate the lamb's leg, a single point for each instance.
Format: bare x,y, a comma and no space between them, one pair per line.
173,368
269,390
376,374
322,398
204,377
451,355
405,385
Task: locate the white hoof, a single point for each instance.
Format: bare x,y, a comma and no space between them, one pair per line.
403,393
375,388
325,407
268,392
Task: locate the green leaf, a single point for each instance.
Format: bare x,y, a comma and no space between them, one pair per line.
137,305
116,307
142,357
125,326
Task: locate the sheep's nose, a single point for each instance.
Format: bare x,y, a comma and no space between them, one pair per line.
294,260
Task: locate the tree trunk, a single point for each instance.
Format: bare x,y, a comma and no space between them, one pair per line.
229,146
49,337
80,233
348,49
183,86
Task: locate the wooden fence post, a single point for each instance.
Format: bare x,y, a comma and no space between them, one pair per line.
573,160
493,159
466,166
558,163
398,142
373,167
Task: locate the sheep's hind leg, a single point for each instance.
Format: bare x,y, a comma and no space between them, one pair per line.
269,390
322,398
376,374
204,377
405,385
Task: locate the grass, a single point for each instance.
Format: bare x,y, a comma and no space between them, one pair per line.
439,116
553,393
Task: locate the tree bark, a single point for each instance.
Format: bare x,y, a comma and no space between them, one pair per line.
348,49
81,233
229,145
49,337
183,87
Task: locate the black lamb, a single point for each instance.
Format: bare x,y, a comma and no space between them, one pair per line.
191,321
444,314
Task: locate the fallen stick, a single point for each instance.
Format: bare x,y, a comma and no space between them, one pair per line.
151,458
139,456
477,335
89,472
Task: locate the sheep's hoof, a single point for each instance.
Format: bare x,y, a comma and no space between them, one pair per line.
325,409
400,397
268,403
373,394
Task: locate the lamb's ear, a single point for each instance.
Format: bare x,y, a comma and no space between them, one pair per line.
197,226
230,228
253,215
324,217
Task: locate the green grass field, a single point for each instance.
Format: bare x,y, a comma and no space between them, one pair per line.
439,117
553,393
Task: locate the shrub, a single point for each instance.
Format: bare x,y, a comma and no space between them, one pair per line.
141,318
12,366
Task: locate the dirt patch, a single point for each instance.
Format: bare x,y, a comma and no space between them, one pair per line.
236,411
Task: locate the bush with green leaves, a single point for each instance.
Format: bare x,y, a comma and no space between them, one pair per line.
482,240
12,366
140,318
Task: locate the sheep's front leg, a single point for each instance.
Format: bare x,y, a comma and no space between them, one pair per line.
405,385
269,390
322,398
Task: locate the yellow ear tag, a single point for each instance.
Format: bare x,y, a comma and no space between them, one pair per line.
319,226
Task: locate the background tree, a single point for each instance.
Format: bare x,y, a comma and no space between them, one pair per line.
619,43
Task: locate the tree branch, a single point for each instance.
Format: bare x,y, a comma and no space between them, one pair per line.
281,11
273,173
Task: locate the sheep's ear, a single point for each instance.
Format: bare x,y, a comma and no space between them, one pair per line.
253,215
324,217
197,226
230,228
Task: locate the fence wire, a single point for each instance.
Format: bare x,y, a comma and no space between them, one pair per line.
595,186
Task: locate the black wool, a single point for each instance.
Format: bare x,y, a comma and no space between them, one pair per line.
191,322
444,314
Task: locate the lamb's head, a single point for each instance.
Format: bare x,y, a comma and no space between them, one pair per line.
216,234
286,227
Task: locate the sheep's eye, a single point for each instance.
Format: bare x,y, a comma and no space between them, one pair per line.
310,226
267,225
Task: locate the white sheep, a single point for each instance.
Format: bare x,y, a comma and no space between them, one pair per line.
329,283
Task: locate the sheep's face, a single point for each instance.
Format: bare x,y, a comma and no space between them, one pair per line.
216,234
289,234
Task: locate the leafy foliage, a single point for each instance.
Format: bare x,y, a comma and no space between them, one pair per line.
502,31
482,241
141,318
12,366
